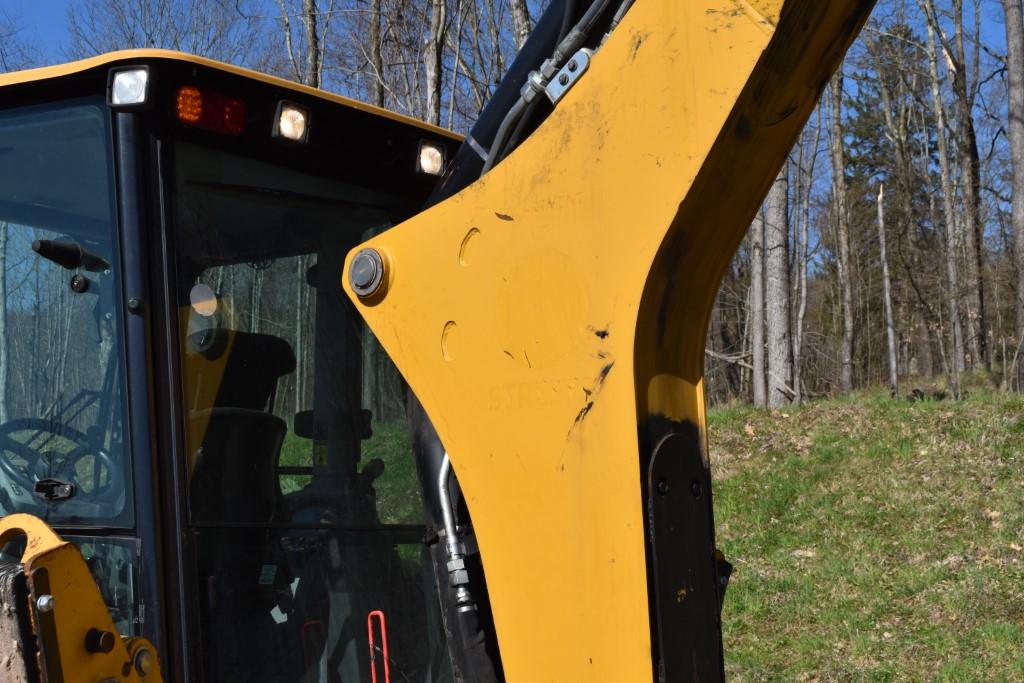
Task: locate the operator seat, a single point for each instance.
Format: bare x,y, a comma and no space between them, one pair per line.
234,495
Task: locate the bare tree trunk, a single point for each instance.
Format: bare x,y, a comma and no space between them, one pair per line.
890,326
757,310
802,260
311,73
970,164
520,21
376,59
1015,76
956,366
433,60
776,245
842,231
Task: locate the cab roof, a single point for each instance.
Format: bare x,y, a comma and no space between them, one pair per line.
58,71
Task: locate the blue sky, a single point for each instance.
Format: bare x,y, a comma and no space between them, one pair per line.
45,22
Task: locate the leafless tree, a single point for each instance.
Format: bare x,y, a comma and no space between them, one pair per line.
842,223
520,20
219,30
890,326
1015,78
956,366
963,87
777,321
757,310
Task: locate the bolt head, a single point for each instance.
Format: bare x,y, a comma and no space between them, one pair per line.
45,603
663,487
563,80
144,662
366,272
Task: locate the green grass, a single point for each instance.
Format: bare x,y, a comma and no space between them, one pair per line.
873,540
397,489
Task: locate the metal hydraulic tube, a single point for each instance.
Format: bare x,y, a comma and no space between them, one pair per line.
458,577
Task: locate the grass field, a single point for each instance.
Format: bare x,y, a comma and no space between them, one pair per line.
397,488
873,540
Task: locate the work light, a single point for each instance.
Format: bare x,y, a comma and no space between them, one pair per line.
430,159
292,122
128,87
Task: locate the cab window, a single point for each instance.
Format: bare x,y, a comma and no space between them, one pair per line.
303,499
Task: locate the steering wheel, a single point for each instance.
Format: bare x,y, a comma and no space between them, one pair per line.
66,465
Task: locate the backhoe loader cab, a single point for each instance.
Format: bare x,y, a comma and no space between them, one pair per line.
192,397
187,393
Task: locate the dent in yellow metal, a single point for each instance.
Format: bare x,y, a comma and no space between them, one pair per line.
55,567
581,313
127,56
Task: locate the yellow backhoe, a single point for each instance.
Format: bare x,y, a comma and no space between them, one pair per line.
296,389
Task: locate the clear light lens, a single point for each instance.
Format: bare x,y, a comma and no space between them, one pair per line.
129,87
431,158
292,124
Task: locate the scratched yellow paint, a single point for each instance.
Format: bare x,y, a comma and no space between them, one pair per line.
527,312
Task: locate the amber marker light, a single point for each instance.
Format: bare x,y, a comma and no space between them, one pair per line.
211,110
189,104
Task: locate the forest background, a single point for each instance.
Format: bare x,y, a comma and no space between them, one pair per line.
889,251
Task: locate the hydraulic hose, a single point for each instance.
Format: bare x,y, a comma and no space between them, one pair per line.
568,45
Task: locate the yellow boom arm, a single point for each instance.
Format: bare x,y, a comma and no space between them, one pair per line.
551,319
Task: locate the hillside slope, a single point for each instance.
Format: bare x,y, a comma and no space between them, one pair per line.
873,539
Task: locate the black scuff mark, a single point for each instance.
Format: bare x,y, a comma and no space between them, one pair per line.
599,332
504,216
590,396
580,416
509,354
634,46
527,357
